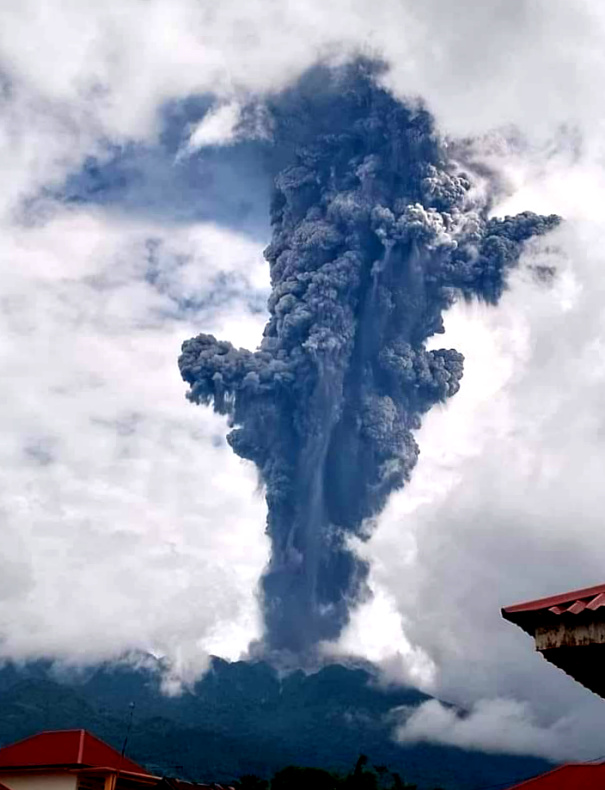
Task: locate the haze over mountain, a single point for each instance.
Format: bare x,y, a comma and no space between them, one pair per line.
242,718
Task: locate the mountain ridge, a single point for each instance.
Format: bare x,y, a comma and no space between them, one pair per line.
243,717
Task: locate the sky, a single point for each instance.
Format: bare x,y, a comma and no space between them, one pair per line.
133,215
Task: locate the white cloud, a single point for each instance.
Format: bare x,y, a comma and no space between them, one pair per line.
493,725
217,127
505,504
377,632
127,521
479,64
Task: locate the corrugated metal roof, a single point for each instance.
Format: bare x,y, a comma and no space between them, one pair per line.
65,748
580,657
525,614
595,596
568,777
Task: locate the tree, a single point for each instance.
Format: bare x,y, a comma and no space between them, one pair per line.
363,777
251,782
360,778
296,778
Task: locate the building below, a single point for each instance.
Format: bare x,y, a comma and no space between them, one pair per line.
567,777
77,760
569,631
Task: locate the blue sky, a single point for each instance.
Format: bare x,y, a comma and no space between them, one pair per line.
133,214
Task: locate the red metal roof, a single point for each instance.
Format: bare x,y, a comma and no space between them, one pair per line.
65,748
573,602
568,777
583,656
527,615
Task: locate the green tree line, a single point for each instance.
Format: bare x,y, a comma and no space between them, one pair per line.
363,777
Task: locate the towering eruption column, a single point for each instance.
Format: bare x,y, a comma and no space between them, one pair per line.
375,233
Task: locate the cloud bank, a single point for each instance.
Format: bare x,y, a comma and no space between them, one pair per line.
506,500
101,546
493,726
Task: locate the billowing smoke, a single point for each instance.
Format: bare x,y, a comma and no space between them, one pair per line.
375,232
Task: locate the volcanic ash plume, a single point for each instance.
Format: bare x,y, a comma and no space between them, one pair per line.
375,233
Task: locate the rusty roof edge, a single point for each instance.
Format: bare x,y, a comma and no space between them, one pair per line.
72,768
520,622
552,600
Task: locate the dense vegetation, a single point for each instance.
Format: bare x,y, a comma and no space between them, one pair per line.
362,777
242,718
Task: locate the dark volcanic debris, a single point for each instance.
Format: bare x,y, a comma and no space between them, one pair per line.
375,233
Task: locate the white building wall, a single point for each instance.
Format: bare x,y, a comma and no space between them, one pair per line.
39,781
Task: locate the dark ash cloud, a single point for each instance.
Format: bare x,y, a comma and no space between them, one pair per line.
375,233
